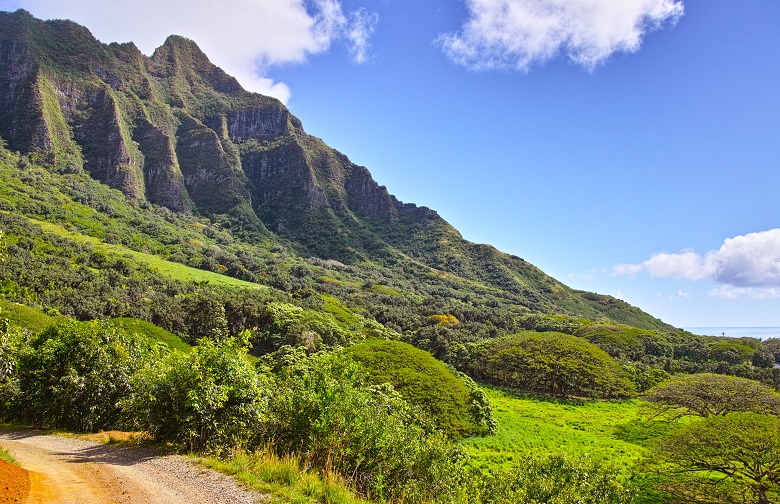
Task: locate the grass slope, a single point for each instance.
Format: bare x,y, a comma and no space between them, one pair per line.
175,270
133,325
24,316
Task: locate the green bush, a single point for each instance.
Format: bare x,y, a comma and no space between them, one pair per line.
12,340
555,479
75,375
553,364
456,404
322,411
210,399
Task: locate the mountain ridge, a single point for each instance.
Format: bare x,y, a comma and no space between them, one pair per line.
175,130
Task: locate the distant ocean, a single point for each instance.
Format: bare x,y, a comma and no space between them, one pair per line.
737,332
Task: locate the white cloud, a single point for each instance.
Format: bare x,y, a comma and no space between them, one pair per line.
747,265
729,292
243,37
518,33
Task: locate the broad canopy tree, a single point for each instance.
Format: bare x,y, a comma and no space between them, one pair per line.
708,395
742,448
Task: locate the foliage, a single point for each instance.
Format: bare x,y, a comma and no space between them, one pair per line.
554,364
12,340
711,395
730,352
288,324
644,376
773,345
210,399
74,375
554,479
629,343
741,448
456,404
763,357
322,411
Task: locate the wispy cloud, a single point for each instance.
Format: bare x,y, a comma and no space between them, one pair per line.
747,265
359,32
243,37
516,34
730,292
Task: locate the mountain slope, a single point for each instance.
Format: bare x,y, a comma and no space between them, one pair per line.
175,131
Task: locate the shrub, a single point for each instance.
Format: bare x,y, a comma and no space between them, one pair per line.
553,364
554,479
456,404
12,340
74,375
286,324
210,399
322,411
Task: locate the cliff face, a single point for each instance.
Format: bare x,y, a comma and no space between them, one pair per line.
172,129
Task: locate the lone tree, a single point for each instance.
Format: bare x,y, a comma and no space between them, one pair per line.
743,448
708,394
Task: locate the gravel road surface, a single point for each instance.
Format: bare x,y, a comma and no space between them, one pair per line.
72,471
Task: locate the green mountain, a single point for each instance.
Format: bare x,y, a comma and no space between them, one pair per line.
223,179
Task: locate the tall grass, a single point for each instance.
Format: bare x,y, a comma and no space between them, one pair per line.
285,478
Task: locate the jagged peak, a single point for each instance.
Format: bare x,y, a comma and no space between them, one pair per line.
181,47
185,54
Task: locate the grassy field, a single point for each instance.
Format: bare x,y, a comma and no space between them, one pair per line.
610,431
175,270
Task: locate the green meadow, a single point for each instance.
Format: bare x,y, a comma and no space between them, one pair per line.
612,432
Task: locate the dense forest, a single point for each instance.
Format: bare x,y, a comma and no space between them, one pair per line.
178,257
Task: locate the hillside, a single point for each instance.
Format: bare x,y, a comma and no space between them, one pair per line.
209,175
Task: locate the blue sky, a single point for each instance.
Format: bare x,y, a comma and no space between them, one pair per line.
627,147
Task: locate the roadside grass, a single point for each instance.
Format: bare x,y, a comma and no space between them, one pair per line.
175,270
5,455
283,478
612,432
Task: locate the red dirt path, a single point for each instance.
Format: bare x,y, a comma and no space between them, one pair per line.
14,483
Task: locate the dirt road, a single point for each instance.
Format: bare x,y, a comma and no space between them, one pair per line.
72,471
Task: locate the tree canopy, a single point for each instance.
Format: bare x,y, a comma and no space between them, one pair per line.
741,448
553,364
707,394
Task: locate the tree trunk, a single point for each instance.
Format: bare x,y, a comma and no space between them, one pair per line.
760,492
